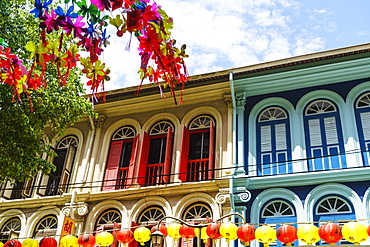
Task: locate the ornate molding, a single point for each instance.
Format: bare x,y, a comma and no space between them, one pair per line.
228,101
222,196
241,99
81,209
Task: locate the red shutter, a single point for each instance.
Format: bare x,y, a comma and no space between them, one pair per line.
131,168
211,165
143,160
167,158
111,171
185,142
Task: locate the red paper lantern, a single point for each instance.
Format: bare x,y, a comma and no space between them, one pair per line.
162,229
86,240
12,243
246,233
330,233
287,234
187,231
125,236
368,230
213,230
48,242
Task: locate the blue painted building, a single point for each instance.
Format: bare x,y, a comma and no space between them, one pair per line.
302,138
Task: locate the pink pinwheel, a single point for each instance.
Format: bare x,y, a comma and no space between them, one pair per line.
76,28
102,4
50,21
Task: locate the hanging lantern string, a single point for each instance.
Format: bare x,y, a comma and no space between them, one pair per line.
204,225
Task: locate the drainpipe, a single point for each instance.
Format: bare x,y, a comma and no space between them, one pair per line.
234,163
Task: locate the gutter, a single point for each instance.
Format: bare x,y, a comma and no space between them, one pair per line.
234,163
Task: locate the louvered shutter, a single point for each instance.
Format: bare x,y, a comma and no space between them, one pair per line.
111,171
280,135
211,164
168,157
7,190
43,184
67,168
27,187
131,168
315,132
143,160
365,123
185,142
331,130
266,145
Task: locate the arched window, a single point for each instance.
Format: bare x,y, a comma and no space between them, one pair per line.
47,226
362,110
333,209
273,142
194,214
56,182
198,150
276,212
11,227
149,218
324,140
156,155
110,220
121,159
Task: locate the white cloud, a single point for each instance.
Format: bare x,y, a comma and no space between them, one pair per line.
221,35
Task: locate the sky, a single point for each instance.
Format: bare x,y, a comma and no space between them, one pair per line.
225,34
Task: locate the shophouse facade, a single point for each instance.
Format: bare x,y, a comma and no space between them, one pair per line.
303,138
143,158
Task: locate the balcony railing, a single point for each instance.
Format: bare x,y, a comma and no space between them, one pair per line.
122,178
198,170
154,174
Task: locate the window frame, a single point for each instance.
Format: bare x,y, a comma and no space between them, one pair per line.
274,166
364,143
326,160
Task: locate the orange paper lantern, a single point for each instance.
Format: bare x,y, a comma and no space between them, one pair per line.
287,234
48,242
86,240
187,232
213,230
125,236
330,233
246,233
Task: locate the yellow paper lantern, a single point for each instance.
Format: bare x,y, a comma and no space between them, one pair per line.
354,232
265,234
1,244
69,241
104,238
142,235
308,233
174,231
203,234
228,231
29,243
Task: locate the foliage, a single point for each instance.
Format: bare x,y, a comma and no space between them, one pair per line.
56,107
